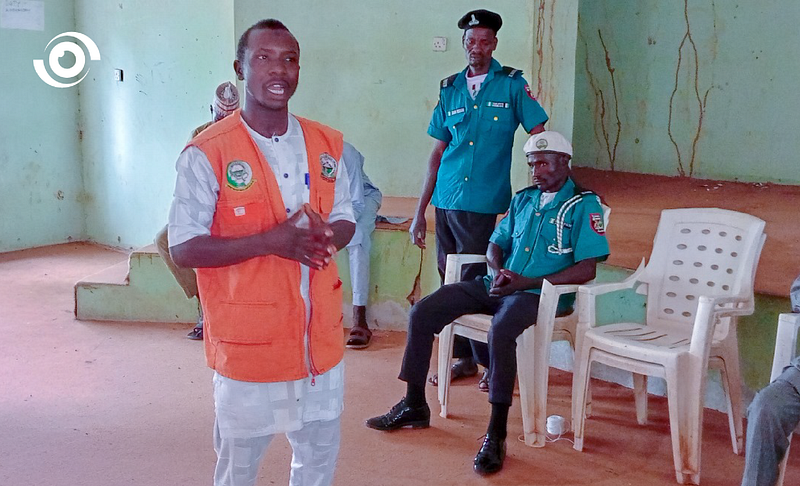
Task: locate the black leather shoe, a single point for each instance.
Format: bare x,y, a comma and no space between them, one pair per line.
196,334
401,415
490,458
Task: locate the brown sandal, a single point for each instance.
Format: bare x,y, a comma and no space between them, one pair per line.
459,369
360,337
483,383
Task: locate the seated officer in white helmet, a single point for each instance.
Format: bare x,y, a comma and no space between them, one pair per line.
553,230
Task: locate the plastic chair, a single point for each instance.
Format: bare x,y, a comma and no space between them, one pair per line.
785,351
698,281
533,347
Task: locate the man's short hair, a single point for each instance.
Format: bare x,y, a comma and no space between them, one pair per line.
271,24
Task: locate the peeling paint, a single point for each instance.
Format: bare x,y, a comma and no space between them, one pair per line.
546,65
416,290
702,101
604,137
612,153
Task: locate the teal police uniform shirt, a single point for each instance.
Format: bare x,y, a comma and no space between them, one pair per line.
475,171
528,235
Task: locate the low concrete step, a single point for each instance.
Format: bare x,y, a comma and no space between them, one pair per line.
141,290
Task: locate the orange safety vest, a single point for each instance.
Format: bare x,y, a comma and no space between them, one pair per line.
254,316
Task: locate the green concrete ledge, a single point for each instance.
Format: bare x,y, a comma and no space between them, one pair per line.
141,289
144,290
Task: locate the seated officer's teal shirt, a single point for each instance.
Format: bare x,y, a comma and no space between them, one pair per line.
475,172
528,235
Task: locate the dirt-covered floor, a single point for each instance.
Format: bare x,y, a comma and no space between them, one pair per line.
106,404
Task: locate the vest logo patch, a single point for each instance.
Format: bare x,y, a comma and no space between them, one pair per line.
596,220
239,175
530,94
329,165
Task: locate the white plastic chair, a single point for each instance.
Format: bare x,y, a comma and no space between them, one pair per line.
533,347
785,351
698,281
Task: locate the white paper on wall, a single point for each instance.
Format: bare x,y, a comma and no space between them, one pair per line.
22,14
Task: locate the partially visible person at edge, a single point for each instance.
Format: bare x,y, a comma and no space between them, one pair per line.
262,204
225,102
773,415
366,202
469,170
554,230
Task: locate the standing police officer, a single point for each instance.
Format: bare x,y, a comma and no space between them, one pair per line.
469,169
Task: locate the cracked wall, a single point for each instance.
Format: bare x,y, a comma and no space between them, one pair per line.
553,78
688,88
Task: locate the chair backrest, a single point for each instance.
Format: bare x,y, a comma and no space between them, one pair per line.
785,343
701,251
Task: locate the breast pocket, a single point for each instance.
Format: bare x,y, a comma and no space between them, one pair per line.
555,231
238,219
455,124
497,120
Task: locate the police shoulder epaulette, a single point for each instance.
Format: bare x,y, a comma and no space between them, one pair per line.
448,81
511,72
579,191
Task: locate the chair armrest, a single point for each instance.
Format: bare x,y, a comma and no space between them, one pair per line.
585,303
709,311
561,289
595,289
785,343
731,306
452,271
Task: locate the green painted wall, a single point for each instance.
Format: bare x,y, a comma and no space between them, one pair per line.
173,55
41,187
695,87
555,32
368,69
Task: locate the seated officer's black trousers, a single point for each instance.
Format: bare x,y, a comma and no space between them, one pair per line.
511,315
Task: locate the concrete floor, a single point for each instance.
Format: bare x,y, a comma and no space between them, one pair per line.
104,403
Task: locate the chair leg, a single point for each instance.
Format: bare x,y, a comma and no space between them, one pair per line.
640,397
685,401
533,365
445,355
529,375
588,406
732,384
580,393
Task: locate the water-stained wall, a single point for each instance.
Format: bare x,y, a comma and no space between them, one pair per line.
697,88
555,30
173,55
41,187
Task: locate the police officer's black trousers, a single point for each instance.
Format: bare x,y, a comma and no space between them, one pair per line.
463,232
512,314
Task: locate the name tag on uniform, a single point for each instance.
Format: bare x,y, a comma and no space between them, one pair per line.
456,111
238,211
565,225
496,104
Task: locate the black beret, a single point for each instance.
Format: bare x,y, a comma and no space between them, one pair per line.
481,18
